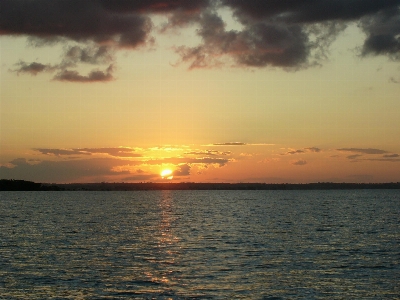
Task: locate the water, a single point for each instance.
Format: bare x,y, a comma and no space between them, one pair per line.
200,245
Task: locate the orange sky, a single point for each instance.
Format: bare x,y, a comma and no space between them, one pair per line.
230,92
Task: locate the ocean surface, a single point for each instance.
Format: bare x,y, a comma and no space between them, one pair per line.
200,245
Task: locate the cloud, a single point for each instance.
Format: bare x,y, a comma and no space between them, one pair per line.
154,5
293,152
307,11
19,162
299,151
117,151
287,34
382,29
230,144
75,20
384,159
73,57
391,155
355,156
187,160
313,149
32,68
259,44
62,171
238,144
82,169
299,162
59,152
122,24
208,152
93,76
126,152
182,170
90,54
363,150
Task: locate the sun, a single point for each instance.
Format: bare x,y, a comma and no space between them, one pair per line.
166,173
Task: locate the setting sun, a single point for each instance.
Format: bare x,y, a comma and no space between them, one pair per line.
167,173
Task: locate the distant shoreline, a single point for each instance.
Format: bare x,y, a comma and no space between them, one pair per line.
22,185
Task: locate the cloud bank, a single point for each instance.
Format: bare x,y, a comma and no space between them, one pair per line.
363,150
287,34
113,151
105,164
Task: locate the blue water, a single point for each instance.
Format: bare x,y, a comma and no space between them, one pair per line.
200,245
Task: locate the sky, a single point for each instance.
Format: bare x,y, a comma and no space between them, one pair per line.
214,91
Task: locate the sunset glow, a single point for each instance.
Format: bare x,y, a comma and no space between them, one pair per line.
215,91
167,173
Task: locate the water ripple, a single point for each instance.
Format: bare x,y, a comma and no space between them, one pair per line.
200,245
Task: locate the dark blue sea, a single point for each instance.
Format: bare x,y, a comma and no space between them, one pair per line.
200,245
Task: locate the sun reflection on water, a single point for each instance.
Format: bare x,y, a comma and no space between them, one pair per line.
166,242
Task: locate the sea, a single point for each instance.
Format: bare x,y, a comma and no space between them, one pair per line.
326,244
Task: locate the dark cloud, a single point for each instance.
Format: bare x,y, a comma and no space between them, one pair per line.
257,45
301,31
299,151
299,162
354,156
75,20
230,144
93,76
19,162
73,57
32,68
208,152
307,11
313,149
154,5
383,30
187,160
117,152
88,54
59,152
91,169
179,19
384,159
363,150
291,34
273,44
123,23
129,152
182,170
391,155
293,152
63,171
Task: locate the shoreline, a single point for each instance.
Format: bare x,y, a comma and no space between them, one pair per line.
22,185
